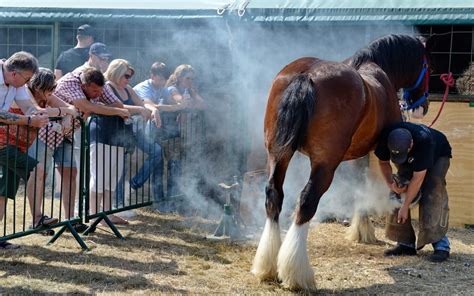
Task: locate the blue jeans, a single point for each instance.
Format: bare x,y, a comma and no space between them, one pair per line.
441,245
152,166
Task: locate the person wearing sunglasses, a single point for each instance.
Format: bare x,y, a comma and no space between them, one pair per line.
15,72
114,133
119,74
99,58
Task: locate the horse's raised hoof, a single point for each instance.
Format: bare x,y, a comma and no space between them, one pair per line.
294,269
265,261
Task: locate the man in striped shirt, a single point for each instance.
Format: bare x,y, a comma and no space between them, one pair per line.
85,89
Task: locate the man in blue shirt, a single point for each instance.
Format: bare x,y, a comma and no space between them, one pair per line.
154,91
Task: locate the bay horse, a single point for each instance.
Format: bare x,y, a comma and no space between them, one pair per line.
330,112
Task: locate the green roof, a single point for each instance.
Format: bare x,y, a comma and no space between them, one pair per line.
400,11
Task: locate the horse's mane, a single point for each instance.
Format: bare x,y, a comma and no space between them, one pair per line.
397,55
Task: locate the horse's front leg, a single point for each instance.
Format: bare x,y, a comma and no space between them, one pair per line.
294,269
265,261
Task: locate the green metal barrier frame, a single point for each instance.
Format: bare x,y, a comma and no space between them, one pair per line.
103,214
64,224
84,196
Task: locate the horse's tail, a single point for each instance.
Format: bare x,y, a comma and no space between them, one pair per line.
294,113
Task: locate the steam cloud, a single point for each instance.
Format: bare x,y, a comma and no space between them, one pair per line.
256,53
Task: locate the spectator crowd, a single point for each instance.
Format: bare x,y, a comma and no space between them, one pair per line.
40,111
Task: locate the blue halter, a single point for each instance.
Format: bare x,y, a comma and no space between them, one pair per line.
407,91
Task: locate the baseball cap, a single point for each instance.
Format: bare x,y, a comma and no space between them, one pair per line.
85,30
100,49
399,142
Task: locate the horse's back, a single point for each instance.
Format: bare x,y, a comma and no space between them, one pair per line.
381,109
338,90
330,79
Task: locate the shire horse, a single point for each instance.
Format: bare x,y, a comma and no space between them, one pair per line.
331,112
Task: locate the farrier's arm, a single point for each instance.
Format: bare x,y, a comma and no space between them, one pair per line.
412,190
386,170
414,187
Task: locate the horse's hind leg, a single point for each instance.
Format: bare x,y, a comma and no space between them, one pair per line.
361,229
294,269
265,261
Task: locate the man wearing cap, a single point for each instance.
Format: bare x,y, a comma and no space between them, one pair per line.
85,88
421,155
99,58
74,57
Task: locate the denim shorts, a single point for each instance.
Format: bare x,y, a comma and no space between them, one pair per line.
62,156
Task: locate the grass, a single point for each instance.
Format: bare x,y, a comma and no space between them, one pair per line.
169,254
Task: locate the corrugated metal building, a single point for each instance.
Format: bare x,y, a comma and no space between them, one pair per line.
131,29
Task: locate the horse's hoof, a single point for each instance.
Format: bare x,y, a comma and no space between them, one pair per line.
265,276
265,261
303,280
293,266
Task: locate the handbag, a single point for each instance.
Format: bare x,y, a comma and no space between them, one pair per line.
112,130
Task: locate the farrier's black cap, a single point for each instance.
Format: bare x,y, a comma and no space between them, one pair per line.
399,142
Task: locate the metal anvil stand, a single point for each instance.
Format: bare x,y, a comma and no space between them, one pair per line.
229,226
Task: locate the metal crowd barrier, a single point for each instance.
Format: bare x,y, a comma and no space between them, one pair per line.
110,151
116,151
182,156
109,155
16,142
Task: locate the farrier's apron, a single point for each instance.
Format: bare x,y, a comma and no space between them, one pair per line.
433,208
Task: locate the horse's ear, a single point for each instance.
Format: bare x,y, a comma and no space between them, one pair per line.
430,43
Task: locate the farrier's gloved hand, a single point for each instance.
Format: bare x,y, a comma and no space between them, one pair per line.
399,190
398,186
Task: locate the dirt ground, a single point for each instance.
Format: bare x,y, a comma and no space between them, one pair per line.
169,254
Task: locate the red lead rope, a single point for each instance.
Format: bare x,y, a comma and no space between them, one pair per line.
448,80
